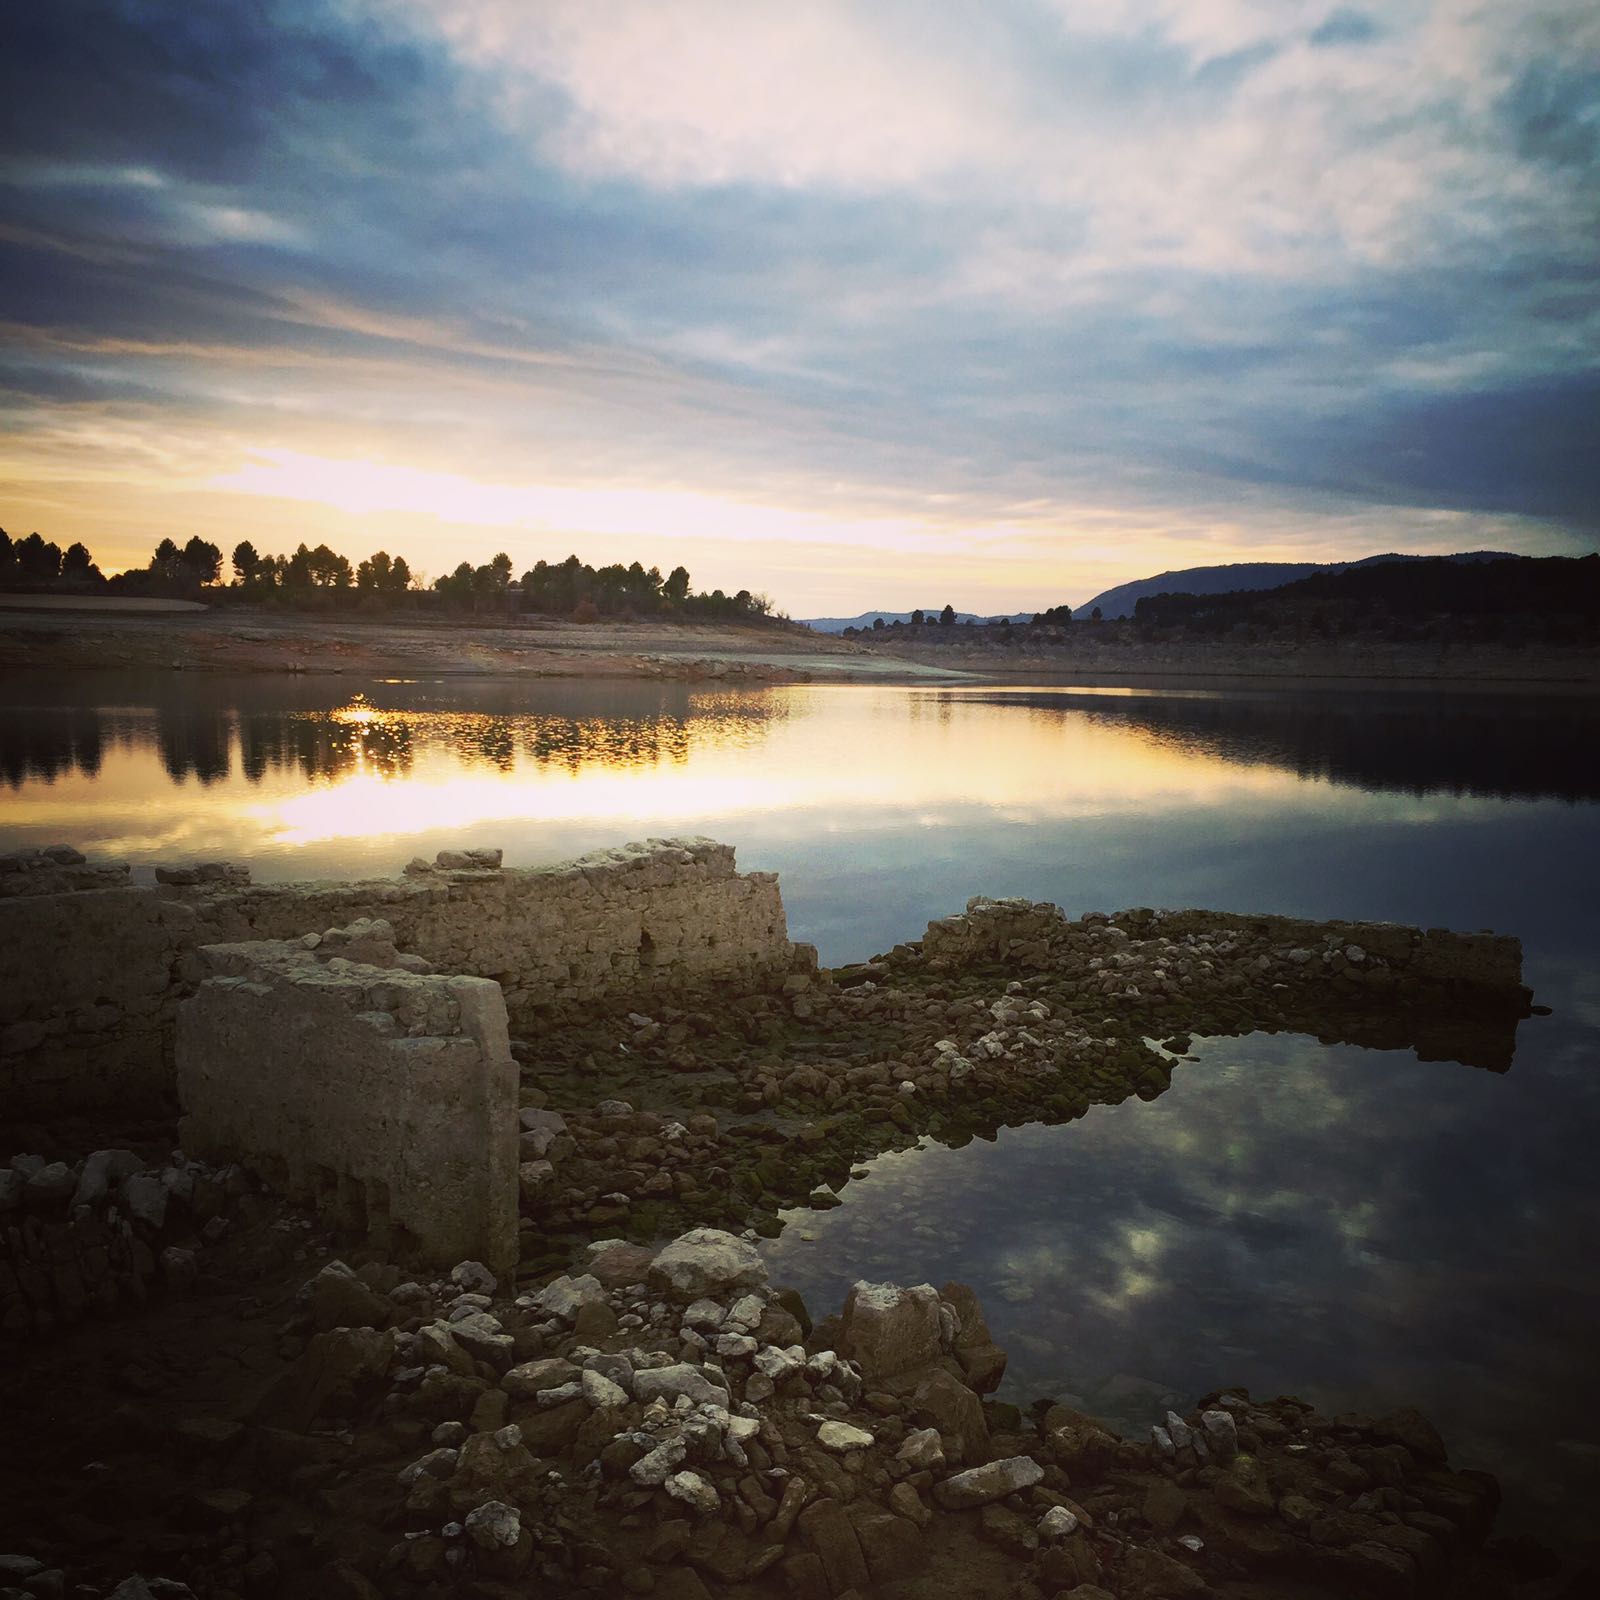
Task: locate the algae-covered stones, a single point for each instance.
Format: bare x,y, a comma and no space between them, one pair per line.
979,1486
706,1262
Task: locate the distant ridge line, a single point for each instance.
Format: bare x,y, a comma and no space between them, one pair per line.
1120,600
1239,576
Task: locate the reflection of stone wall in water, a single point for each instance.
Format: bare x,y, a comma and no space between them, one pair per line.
90,978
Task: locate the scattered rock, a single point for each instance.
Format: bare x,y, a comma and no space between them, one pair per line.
979,1486
841,1437
706,1262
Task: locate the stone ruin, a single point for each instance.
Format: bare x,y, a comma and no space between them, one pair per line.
94,966
356,1080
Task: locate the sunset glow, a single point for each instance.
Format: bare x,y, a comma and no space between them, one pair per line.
1024,301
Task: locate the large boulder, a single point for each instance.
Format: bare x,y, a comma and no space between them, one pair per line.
102,1172
616,1263
706,1263
667,1383
889,1330
331,1378
942,1401
828,1532
337,1298
565,1297
982,1361
979,1486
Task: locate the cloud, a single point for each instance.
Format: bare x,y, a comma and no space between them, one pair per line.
1073,285
1214,136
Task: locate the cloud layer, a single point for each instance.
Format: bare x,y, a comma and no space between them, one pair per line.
1049,294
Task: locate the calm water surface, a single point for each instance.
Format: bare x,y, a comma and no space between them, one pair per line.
1352,1225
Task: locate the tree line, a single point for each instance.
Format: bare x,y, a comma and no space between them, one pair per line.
319,578
37,563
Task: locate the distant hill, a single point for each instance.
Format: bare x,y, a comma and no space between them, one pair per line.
1552,599
930,614
1242,576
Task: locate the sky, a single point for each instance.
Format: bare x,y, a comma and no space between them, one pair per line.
857,305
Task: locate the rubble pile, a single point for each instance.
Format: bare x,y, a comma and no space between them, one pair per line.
85,1238
669,1422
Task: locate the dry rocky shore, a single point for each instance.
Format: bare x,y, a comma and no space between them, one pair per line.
242,640
219,1397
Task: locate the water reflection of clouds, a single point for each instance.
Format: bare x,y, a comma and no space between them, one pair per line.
1339,1222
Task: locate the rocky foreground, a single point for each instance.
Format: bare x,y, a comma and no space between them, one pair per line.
667,1422
220,1397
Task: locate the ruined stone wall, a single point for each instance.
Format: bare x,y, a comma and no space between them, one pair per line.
384,1097
91,977
1433,963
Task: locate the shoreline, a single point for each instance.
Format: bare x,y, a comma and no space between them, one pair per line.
512,1406
241,641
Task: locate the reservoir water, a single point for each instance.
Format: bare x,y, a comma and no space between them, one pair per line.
1358,1227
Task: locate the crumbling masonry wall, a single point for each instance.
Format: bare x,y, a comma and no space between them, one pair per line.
384,1097
91,975
1467,969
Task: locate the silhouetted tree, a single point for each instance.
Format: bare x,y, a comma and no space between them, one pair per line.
77,566
947,617
166,562
38,561
375,574
246,563
201,561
